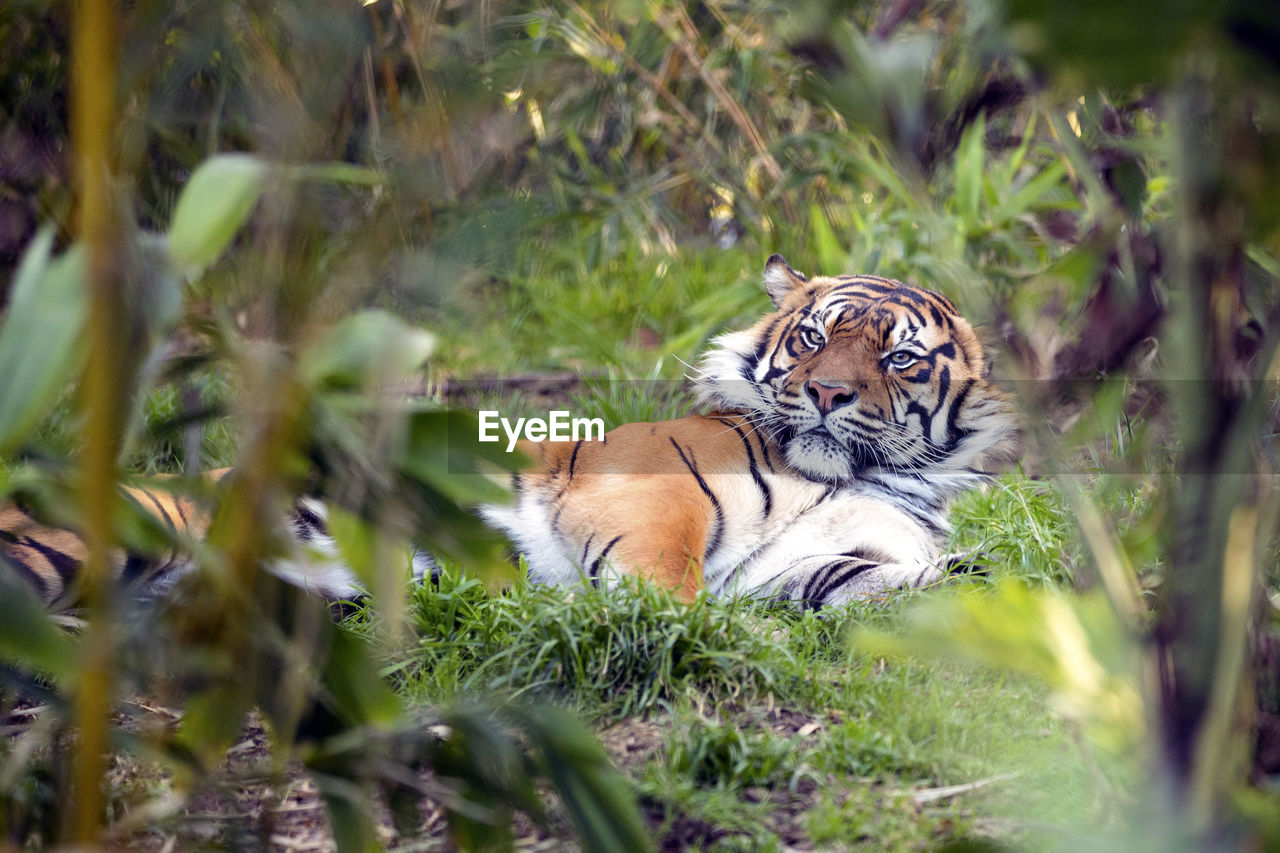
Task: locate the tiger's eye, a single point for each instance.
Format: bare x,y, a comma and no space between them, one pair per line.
901,358
810,338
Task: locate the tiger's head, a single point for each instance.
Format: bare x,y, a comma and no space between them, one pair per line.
859,372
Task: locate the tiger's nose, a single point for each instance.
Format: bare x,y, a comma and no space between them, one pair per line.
827,396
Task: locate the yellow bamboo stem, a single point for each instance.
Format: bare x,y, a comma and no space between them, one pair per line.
92,120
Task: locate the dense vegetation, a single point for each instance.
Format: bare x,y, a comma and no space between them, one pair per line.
239,234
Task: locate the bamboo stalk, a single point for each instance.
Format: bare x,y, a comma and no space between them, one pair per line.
93,114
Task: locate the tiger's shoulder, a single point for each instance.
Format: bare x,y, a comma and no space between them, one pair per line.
656,447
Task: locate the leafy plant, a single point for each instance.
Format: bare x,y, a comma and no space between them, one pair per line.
231,632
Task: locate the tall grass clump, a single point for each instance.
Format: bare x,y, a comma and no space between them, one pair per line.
1018,527
622,650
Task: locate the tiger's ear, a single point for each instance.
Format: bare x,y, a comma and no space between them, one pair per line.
780,279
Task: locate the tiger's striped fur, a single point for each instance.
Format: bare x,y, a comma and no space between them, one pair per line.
840,426
50,558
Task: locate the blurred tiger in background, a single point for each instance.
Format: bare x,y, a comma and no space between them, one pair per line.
50,558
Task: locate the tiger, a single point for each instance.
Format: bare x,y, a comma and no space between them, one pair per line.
50,559
834,433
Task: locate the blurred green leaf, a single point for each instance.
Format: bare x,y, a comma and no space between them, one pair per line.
366,350
212,719
831,256
444,452
350,814
598,800
27,635
357,543
493,776
360,694
216,201
1130,184
969,168
1073,643
41,342
1112,44
337,173
1035,191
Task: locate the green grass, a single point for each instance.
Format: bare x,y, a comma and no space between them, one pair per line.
626,314
1022,526
757,724
162,414
755,706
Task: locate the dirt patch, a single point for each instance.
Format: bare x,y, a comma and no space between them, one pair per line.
633,743
252,802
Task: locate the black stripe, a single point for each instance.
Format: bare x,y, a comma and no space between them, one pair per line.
917,313
160,509
64,564
806,592
854,569
42,585
925,521
177,505
926,419
594,572
911,295
582,561
871,555
764,339
953,415
944,387
755,472
920,377
21,507
555,517
573,459
135,566
873,286
689,463
947,303
764,450
306,522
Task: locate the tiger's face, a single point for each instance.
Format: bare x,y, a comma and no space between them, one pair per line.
859,372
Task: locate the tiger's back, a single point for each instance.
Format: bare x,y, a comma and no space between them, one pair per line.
51,559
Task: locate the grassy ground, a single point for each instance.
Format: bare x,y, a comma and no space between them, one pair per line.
746,726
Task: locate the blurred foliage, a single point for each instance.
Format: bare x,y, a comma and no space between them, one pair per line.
591,186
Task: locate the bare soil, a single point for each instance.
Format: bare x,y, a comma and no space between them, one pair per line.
253,804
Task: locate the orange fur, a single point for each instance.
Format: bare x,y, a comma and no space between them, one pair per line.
51,558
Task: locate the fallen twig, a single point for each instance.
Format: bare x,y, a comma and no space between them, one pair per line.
924,796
